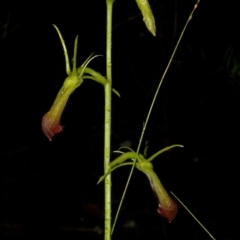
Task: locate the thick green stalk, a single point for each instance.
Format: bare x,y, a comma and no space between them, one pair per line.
107,123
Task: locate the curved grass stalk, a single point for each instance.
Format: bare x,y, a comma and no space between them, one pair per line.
150,111
210,235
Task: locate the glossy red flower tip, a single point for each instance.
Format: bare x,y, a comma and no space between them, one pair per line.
168,209
51,126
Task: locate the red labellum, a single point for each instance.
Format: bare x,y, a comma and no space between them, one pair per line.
169,210
50,126
58,129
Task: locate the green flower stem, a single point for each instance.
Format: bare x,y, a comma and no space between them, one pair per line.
107,123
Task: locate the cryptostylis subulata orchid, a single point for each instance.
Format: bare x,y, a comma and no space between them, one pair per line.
167,206
51,120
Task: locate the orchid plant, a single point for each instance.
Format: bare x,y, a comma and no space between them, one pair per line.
51,124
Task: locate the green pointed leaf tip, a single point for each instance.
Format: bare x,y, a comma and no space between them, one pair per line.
68,69
163,150
148,17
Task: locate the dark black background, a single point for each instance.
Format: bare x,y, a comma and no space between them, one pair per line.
48,189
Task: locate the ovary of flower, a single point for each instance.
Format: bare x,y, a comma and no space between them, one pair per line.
167,206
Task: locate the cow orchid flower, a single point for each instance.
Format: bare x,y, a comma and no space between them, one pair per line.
167,207
51,120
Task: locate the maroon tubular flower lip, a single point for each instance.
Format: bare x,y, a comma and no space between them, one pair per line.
50,126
